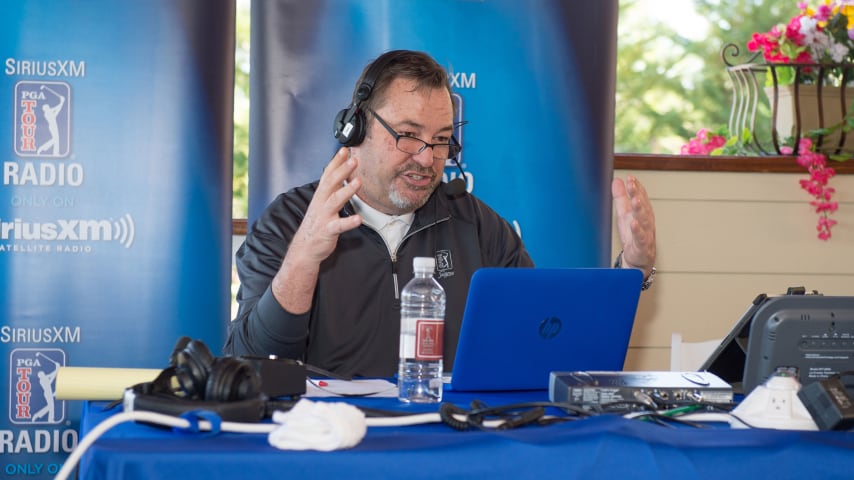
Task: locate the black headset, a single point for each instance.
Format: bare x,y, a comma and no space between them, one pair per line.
197,380
350,124
202,376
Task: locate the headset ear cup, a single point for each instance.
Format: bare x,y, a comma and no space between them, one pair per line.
349,133
232,379
180,345
359,128
192,368
338,127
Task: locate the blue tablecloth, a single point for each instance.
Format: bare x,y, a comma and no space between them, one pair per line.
606,446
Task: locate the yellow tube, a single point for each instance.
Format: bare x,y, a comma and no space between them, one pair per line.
94,383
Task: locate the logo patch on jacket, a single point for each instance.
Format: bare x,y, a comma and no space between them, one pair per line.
444,264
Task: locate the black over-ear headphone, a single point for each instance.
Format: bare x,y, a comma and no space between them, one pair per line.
350,124
202,376
197,380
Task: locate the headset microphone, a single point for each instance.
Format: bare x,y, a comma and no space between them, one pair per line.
457,186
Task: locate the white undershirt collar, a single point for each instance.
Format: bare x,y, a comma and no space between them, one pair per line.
391,227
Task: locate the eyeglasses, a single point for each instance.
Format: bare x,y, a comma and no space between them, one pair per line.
414,146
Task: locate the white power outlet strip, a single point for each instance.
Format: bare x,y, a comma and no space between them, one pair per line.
776,405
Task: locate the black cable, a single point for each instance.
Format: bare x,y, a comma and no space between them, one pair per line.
526,417
326,373
628,406
668,421
447,412
746,423
513,415
271,406
623,407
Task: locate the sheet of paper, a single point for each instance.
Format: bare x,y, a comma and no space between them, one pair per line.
360,387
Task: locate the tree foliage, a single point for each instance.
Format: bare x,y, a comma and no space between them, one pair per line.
240,176
668,85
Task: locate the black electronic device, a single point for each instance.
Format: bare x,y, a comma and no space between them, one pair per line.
235,388
589,389
727,360
809,333
829,403
280,377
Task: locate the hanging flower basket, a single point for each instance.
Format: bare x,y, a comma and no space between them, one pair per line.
816,109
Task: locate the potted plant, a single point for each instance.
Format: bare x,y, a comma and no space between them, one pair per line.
809,65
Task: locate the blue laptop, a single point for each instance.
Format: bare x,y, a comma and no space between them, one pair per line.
520,324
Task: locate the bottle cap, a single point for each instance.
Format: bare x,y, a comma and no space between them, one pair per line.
421,264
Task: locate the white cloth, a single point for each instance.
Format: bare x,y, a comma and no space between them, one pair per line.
323,426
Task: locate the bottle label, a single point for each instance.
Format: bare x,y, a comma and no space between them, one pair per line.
428,339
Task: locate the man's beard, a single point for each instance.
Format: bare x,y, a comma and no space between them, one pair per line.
405,203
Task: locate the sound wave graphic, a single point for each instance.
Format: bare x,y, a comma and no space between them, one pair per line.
124,230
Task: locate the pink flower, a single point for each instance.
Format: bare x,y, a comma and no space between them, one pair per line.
823,227
769,43
815,163
813,35
703,143
822,13
816,186
793,31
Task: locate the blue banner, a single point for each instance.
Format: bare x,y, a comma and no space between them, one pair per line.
115,209
534,79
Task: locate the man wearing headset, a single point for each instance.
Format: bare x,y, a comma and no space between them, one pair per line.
322,268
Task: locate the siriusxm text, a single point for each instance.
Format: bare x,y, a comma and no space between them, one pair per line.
61,334
45,68
60,230
462,80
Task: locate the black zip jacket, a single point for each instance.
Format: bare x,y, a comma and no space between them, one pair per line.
353,326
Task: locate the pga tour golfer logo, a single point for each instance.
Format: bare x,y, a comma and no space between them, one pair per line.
32,397
42,119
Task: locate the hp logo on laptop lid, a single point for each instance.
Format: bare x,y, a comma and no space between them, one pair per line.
550,327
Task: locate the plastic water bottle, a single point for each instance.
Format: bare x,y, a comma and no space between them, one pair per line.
422,323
